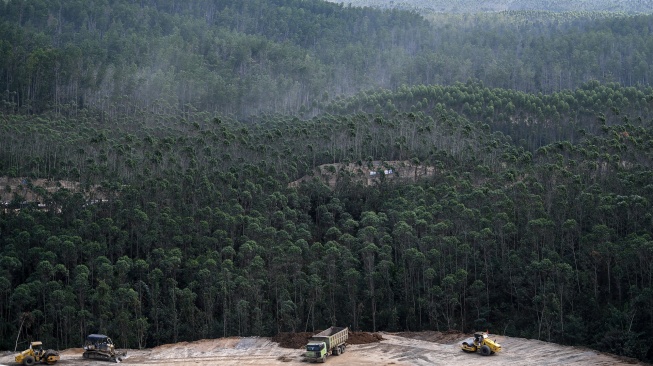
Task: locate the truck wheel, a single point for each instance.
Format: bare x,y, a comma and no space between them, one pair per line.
28,361
336,351
323,359
485,350
342,349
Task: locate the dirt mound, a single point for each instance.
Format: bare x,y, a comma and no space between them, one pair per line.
292,340
299,340
364,338
25,187
446,337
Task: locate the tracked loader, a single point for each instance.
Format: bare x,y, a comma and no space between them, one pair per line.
101,347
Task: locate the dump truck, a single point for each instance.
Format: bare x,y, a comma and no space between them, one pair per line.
481,342
101,347
35,353
331,341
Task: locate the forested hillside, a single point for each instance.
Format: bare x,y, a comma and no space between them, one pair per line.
536,221
199,236
285,56
474,6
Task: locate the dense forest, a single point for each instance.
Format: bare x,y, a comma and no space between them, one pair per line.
243,58
185,121
474,6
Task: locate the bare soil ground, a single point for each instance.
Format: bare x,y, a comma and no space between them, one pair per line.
399,349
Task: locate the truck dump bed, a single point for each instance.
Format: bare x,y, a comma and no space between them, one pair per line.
333,336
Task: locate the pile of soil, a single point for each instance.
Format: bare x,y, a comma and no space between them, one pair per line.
299,340
292,340
446,337
364,338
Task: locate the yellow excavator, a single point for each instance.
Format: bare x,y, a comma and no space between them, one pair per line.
481,342
35,353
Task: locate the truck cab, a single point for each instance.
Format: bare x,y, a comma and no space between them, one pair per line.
328,342
316,350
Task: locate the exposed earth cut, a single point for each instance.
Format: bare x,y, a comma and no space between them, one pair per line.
408,348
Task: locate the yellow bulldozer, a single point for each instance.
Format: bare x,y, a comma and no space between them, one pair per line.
482,343
35,353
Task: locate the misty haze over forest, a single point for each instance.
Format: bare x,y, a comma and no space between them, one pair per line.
462,167
475,6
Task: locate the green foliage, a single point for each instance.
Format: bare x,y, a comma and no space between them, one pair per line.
533,220
169,241
130,58
471,6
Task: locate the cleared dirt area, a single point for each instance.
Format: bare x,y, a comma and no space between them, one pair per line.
408,348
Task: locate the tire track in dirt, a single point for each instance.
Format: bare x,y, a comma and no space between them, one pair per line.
396,349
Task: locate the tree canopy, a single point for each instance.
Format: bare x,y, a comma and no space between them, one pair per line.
287,56
171,132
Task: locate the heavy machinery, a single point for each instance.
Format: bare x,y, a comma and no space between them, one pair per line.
101,347
481,342
35,353
331,341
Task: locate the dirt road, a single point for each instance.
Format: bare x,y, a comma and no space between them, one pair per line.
400,349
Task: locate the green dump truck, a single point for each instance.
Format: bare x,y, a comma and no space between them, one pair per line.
331,341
